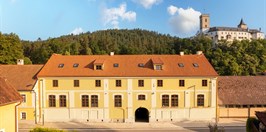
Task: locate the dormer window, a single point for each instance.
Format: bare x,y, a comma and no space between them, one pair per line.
180,64
75,65
158,67
99,67
157,63
195,64
61,65
141,65
116,65
98,64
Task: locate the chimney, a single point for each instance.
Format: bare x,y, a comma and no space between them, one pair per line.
112,53
181,53
20,62
199,52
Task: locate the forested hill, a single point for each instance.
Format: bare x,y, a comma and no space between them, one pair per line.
237,58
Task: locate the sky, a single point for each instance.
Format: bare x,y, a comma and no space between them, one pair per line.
33,19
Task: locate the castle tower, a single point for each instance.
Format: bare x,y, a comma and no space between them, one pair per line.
204,22
242,24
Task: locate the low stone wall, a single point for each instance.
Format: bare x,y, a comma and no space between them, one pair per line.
237,112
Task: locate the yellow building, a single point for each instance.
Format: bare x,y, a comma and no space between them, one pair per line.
9,100
23,78
127,88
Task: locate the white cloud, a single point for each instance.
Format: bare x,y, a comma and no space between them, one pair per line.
172,9
113,16
77,31
148,3
184,22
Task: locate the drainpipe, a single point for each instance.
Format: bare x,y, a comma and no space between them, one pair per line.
16,116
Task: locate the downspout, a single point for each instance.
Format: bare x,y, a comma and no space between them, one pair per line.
16,116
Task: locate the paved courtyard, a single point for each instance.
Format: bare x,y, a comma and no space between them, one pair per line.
25,126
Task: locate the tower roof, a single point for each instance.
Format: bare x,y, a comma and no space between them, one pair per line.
242,22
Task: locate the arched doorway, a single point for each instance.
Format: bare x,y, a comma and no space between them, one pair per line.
141,115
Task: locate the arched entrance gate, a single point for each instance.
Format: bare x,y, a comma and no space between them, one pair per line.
141,115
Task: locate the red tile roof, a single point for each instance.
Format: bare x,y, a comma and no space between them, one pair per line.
22,77
241,90
156,61
8,94
128,66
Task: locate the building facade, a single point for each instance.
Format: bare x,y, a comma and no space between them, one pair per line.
241,32
127,88
9,100
24,79
241,96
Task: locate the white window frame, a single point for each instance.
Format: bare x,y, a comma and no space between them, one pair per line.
137,96
196,99
22,116
24,98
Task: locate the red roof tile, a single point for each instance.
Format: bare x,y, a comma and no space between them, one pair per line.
156,61
22,77
128,66
241,90
8,94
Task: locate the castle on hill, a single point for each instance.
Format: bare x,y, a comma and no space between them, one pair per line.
241,32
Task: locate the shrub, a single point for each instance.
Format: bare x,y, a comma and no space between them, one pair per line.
251,120
215,128
38,129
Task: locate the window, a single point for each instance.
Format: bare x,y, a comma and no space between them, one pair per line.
206,20
118,83
158,67
205,26
52,102
98,67
61,65
228,36
76,83
23,115
141,65
76,65
195,64
181,83
165,101
97,83
116,65
141,97
94,101
62,100
118,101
55,83
159,83
180,64
200,100
85,100
24,98
174,100
141,83
204,83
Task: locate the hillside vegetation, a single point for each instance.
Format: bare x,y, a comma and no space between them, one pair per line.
237,58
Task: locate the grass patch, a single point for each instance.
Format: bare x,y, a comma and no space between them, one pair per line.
38,129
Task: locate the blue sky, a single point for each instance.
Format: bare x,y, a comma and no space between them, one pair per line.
31,19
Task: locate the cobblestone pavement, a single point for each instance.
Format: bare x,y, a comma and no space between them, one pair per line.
25,126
